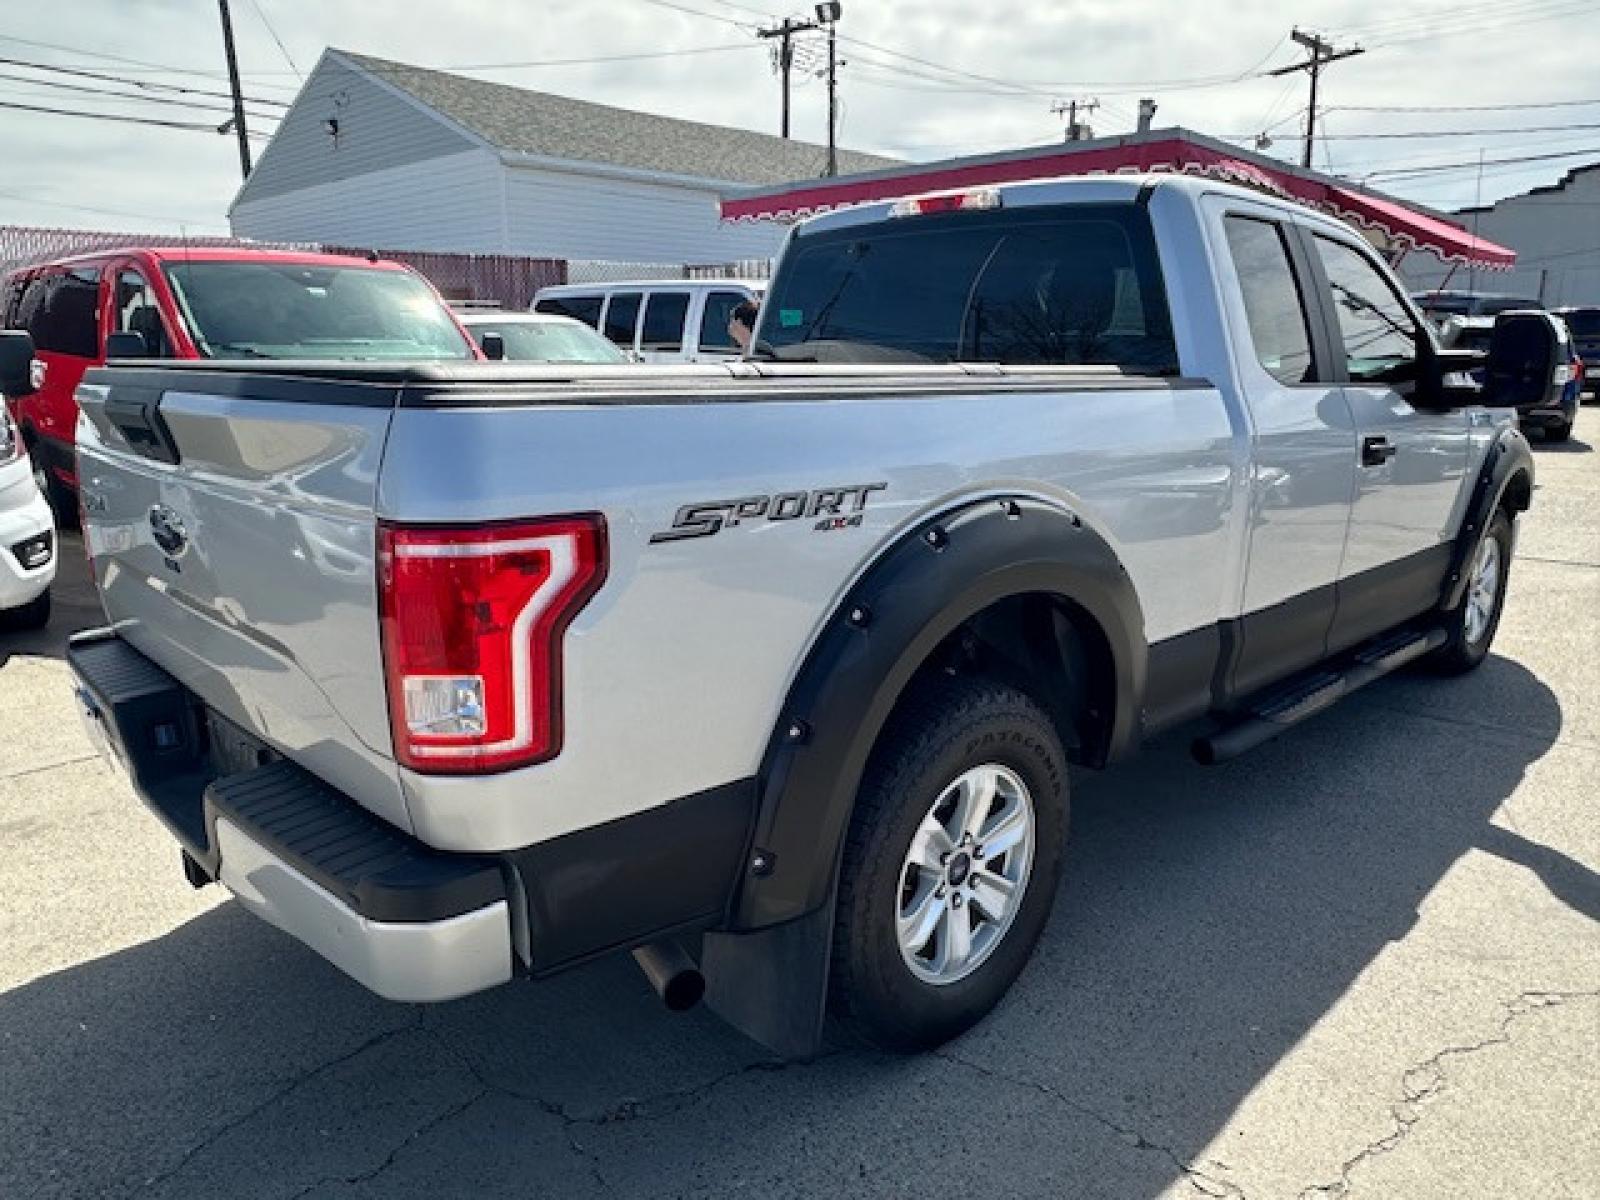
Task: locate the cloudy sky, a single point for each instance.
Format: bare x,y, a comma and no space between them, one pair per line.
920,79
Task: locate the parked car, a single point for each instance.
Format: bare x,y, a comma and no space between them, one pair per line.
781,666
27,532
190,302
537,337
1438,305
657,320
1584,322
1555,410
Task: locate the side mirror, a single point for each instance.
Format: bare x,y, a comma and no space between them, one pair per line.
16,364
126,345
1525,351
494,346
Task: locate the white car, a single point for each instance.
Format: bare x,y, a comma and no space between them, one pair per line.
27,527
536,337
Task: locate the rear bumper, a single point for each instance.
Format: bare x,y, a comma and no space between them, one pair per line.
408,922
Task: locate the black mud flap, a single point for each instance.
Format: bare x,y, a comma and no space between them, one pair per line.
772,984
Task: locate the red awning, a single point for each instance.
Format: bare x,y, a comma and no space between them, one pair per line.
1187,154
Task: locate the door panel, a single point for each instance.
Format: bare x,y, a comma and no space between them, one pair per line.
1304,453
1413,462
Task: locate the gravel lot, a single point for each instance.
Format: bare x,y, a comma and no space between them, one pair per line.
1363,961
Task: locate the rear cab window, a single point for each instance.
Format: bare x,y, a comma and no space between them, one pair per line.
61,309
1064,285
1274,298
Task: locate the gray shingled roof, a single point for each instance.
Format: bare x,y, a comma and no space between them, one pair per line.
521,121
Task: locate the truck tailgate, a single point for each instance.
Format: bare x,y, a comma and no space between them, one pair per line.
233,540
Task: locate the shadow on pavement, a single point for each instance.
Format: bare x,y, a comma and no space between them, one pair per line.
1209,919
1572,445
74,605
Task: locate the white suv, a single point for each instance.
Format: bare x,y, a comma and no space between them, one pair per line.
27,529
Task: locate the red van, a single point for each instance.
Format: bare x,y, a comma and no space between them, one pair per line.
207,303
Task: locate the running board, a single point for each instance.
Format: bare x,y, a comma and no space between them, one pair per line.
1306,695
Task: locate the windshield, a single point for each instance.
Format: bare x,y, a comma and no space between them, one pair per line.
306,310
549,341
1078,285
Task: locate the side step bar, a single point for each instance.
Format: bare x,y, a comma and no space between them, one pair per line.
1310,694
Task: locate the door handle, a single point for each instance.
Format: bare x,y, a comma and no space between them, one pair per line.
1375,451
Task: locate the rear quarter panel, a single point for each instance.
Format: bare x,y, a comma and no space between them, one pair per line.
676,670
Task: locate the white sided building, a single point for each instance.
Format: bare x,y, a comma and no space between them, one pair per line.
381,154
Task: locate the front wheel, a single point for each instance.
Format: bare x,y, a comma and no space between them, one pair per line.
1470,629
951,865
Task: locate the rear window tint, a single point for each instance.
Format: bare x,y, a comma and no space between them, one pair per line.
1584,324
622,315
714,333
65,317
1079,285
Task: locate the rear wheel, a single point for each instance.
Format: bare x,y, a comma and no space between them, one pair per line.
1471,628
1558,433
951,865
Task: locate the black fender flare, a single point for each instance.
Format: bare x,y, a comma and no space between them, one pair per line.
920,589
1507,458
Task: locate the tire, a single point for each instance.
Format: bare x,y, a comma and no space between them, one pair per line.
1001,743
1470,633
33,615
63,504
1558,433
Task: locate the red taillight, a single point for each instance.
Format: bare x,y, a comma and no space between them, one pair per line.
473,619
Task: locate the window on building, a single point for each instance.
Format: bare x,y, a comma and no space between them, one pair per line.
1273,303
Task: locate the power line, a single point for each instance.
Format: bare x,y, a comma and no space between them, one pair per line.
106,94
282,49
1323,53
130,63
1455,108
201,126
142,84
1398,172
109,212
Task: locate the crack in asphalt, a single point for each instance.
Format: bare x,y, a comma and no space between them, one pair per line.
1558,562
1209,1184
427,1127
1426,1080
278,1094
50,766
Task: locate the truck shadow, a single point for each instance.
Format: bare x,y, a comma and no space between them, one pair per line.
1209,920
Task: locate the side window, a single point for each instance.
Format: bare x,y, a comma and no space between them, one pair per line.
1380,338
579,308
68,319
714,333
136,311
622,316
664,315
28,302
1273,303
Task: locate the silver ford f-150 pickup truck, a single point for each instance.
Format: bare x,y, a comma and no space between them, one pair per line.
771,672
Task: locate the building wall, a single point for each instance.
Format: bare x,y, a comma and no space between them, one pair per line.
450,203
566,214
1556,234
377,130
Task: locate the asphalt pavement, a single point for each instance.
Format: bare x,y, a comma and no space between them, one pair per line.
1363,961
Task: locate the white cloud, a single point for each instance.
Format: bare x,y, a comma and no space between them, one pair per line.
1437,53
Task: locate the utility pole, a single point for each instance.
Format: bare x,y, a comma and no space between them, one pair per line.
1075,131
833,98
1323,52
238,95
785,33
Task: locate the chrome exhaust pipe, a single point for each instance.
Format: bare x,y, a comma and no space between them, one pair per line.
672,973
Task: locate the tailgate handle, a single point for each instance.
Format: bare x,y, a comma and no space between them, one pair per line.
136,413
